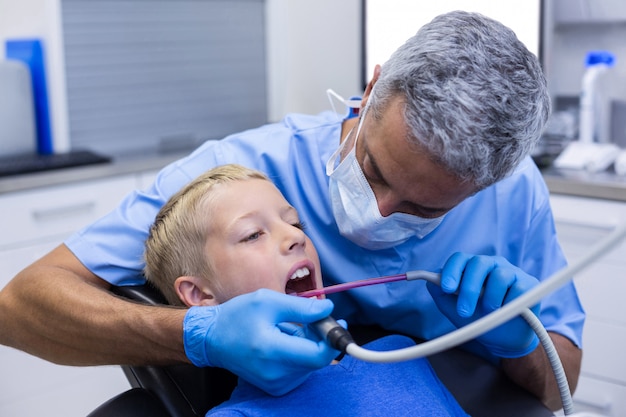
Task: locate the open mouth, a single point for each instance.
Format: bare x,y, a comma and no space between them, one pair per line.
301,280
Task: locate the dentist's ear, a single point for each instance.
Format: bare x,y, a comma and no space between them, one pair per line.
194,291
370,86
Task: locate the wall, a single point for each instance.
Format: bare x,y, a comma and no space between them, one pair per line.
311,46
315,45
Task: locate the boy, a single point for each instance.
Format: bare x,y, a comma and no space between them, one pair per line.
231,231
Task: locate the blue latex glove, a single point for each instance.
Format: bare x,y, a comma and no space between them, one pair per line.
459,298
244,336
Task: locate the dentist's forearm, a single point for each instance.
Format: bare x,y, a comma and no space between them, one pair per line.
56,309
533,372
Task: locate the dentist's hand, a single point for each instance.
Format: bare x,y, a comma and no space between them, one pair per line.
243,335
464,277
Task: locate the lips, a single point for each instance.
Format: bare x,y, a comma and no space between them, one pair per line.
301,279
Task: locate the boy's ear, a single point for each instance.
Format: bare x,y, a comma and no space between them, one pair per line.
194,291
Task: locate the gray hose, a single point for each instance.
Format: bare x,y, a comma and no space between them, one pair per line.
553,357
505,313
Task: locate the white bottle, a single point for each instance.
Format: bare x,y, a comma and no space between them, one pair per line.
597,62
586,153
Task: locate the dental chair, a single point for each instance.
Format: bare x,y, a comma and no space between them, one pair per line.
186,391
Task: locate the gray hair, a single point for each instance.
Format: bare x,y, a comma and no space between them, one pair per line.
474,97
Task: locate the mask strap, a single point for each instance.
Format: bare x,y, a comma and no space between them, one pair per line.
354,104
332,162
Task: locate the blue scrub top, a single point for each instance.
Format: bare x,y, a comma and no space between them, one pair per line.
511,218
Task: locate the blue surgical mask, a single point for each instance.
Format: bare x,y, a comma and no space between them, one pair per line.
356,210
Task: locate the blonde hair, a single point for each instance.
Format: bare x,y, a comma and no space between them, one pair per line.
176,243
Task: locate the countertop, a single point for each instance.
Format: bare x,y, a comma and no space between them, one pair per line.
603,185
119,165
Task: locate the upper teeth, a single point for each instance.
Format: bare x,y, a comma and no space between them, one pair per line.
302,272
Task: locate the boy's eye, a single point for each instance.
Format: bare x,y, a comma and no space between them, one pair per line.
252,236
300,225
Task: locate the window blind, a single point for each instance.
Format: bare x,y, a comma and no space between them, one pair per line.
148,75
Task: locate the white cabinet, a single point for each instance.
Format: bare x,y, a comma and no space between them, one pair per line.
54,213
32,223
581,222
30,386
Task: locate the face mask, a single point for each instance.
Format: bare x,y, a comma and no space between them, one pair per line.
356,210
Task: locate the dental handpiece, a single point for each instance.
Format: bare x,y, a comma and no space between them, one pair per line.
408,276
340,339
518,306
331,331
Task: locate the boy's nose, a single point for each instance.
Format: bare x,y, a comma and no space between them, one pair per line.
295,238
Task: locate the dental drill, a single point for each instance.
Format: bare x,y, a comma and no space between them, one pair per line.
340,339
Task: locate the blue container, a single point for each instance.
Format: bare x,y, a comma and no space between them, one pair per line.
30,51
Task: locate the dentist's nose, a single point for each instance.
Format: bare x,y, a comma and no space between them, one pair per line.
387,202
